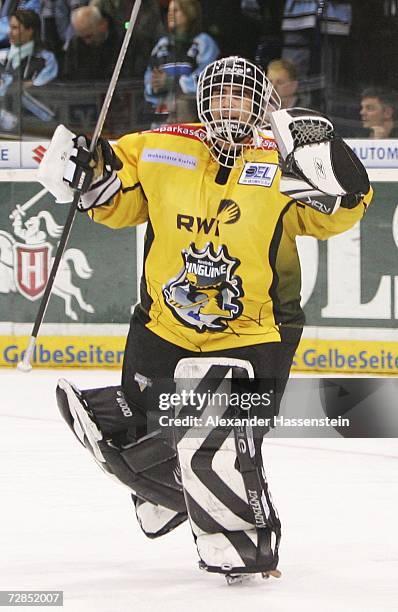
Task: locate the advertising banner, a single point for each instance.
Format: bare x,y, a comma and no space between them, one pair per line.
381,153
350,288
372,153
86,289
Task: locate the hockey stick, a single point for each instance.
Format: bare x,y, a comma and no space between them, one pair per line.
25,365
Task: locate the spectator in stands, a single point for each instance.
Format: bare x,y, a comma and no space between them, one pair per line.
92,52
176,62
283,75
148,29
379,112
7,8
57,28
313,33
25,64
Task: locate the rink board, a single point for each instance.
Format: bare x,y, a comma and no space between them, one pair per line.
328,356
350,286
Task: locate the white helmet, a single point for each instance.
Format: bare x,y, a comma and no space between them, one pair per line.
224,89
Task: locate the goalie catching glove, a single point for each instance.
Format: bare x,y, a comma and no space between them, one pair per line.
93,174
318,167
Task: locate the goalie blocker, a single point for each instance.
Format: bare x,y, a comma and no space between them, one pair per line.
318,167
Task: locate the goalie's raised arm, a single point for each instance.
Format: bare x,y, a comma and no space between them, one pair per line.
318,167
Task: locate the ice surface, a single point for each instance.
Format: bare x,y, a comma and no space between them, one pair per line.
65,525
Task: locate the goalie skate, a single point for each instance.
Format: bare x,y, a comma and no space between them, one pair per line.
233,579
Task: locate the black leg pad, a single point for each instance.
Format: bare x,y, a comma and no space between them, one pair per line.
148,467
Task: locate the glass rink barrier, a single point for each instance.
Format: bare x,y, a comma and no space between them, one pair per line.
37,111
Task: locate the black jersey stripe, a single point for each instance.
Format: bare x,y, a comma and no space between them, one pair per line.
296,317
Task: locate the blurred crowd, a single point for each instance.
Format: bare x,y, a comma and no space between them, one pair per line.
57,56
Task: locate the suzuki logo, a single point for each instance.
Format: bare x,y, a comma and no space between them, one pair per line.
38,153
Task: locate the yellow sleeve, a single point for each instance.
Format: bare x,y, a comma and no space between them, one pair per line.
310,222
129,207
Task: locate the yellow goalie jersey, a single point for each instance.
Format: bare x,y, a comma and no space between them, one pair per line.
221,268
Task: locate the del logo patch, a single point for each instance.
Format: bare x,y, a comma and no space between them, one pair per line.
258,173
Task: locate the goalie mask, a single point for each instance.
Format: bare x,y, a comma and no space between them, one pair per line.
234,101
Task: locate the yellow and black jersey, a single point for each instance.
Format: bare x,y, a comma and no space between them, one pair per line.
221,267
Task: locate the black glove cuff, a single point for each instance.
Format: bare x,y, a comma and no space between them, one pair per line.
351,200
111,160
84,171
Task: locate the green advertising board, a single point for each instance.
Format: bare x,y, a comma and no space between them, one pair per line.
350,287
97,279
352,278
